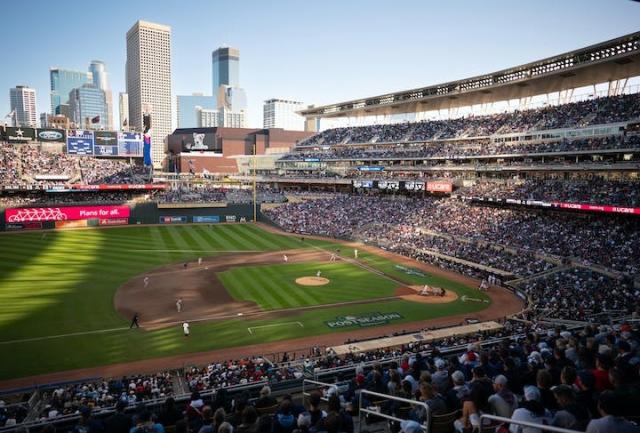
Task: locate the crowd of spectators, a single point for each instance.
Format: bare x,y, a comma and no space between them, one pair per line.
237,372
412,242
28,166
589,190
131,390
609,242
207,193
463,149
579,114
39,198
586,379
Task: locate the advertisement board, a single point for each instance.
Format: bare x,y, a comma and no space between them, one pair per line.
120,187
80,142
194,142
19,134
68,213
129,144
363,184
370,168
51,135
389,184
71,224
113,221
439,186
230,218
173,219
598,208
206,219
414,186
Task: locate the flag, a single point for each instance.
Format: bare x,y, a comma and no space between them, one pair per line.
146,148
96,119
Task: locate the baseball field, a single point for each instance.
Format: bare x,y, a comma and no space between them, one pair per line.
67,297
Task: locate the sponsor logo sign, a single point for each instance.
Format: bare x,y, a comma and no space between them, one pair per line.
113,221
439,186
55,135
410,271
598,208
173,219
68,213
363,320
206,219
20,134
106,143
230,218
370,168
363,184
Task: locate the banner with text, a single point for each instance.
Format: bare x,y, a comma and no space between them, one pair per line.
65,213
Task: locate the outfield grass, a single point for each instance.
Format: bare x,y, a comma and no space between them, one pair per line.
273,287
64,283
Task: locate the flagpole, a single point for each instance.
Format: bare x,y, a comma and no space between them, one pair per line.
255,204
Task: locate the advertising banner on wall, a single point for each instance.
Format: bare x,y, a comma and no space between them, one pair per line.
439,186
206,219
51,135
173,219
80,142
71,224
65,213
20,135
129,144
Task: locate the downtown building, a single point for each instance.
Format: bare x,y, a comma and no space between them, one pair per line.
231,99
88,107
63,81
280,113
148,78
100,78
22,100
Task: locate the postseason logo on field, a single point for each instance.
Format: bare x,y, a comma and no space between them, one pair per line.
363,320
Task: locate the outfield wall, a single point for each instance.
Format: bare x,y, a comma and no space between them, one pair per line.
72,216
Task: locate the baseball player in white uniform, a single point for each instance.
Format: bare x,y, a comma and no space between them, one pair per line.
179,305
185,328
146,282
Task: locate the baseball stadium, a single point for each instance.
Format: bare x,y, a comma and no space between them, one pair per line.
384,270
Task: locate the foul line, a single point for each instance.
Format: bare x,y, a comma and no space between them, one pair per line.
271,325
73,334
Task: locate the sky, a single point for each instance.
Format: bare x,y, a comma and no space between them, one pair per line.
318,52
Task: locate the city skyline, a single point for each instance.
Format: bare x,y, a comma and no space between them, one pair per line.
336,56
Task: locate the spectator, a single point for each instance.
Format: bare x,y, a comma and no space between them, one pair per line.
503,402
532,411
611,421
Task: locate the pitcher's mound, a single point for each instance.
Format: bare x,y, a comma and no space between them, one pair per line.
312,281
411,293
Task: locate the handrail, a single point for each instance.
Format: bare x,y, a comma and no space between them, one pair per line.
425,425
526,424
315,382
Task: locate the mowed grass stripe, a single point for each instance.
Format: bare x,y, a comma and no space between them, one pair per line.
239,234
231,241
259,244
242,288
211,240
255,287
158,242
200,240
280,241
292,289
276,290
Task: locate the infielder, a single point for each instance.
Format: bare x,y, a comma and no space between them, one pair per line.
185,328
318,274
179,305
332,258
199,261
146,282
355,253
285,258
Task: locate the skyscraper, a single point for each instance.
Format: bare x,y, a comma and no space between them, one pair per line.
225,65
279,113
100,78
123,108
64,81
22,99
88,107
149,82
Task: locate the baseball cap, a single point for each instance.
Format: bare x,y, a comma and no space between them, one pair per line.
532,393
440,364
457,376
410,427
500,380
